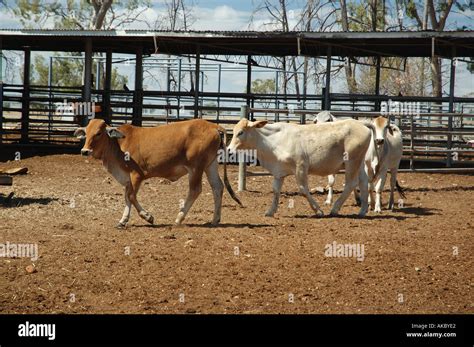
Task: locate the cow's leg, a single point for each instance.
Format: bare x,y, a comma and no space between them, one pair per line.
364,191
393,182
331,180
352,179
126,212
378,191
212,173
136,181
195,188
302,181
357,196
371,198
277,184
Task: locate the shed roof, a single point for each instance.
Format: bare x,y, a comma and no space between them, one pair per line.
275,43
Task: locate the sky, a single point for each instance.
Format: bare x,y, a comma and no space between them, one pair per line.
235,15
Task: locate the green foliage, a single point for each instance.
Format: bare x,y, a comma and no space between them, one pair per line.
266,86
362,12
411,9
68,73
74,15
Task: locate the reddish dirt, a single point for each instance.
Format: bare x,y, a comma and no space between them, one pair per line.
408,255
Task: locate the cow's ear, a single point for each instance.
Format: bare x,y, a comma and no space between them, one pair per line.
391,128
258,124
114,133
80,133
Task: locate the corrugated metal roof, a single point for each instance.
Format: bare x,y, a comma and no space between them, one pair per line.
274,43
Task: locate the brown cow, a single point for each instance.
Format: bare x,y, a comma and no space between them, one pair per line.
132,154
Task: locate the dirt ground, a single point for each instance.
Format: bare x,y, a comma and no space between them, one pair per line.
417,259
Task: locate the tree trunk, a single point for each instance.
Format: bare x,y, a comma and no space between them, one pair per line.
350,73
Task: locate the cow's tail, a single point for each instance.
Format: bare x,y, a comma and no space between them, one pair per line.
223,146
400,190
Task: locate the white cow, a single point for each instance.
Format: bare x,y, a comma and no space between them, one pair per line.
384,153
325,117
289,149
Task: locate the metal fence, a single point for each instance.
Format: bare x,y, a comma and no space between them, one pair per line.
45,116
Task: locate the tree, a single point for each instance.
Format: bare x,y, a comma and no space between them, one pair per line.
79,15
178,15
68,73
266,86
438,14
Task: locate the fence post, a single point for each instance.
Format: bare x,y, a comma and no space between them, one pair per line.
25,106
1,108
244,111
412,142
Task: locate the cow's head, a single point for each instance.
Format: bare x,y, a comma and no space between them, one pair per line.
243,134
382,125
323,117
97,135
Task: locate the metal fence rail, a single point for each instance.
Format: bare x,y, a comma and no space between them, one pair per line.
29,116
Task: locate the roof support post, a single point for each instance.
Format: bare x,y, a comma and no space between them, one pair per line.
249,83
1,109
138,92
196,83
377,82
25,105
107,111
327,101
452,79
219,76
87,78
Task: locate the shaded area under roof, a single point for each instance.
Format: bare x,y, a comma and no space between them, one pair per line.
402,44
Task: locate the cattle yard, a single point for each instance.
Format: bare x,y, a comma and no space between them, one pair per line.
416,259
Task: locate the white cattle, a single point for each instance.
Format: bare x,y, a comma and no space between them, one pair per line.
289,149
325,117
384,153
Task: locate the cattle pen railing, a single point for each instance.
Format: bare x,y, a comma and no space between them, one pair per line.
434,139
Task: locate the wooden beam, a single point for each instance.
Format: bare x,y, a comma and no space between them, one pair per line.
6,180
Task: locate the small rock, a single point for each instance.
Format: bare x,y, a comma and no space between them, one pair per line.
30,269
417,269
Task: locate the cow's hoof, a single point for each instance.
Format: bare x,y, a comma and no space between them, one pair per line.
319,213
362,213
179,218
269,214
120,226
146,216
334,214
216,222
